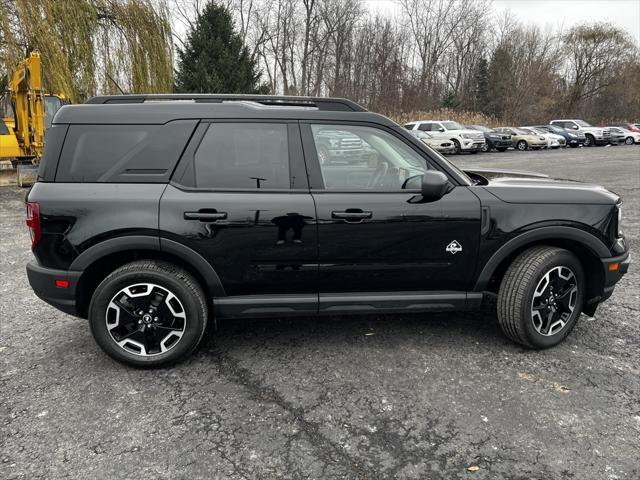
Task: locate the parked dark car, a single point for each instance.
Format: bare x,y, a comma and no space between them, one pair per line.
493,139
573,138
152,218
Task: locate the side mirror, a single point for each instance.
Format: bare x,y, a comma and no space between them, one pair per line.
434,185
575,127
441,129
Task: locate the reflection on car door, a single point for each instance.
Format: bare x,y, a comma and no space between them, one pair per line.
377,237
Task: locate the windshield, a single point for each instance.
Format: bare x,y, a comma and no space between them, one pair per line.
522,131
582,123
452,125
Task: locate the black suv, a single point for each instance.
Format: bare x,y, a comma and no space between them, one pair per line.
151,216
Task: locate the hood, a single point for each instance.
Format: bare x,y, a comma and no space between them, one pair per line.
514,186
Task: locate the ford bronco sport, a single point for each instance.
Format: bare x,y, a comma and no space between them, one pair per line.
151,216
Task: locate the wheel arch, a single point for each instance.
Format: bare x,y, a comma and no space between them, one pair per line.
101,259
585,246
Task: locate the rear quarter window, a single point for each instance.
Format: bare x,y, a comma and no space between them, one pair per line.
122,153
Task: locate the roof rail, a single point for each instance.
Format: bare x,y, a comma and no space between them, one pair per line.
321,103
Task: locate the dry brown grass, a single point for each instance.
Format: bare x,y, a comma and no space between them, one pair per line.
465,118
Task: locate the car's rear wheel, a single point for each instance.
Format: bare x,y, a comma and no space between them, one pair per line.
148,313
628,140
485,147
522,145
541,297
456,145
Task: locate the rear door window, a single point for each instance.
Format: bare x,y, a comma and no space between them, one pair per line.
243,156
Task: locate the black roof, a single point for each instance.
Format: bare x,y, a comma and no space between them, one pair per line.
165,108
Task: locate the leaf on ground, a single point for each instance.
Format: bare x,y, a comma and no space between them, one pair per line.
473,468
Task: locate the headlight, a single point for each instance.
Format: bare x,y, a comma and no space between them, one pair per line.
466,135
619,220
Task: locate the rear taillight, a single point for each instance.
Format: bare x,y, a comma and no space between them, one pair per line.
33,222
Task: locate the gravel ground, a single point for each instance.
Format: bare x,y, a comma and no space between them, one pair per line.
422,396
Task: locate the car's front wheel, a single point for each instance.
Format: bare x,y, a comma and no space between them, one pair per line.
148,313
522,145
628,140
541,296
589,141
486,147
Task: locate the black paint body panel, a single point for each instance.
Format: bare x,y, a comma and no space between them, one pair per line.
279,252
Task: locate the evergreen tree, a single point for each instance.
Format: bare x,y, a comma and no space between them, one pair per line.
214,59
481,86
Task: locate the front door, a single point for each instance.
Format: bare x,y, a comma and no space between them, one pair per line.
375,234
240,199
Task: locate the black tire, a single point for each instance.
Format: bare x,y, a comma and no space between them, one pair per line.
574,145
589,140
456,145
517,290
629,140
522,145
191,304
486,147
502,149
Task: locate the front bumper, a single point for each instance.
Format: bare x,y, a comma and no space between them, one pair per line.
43,283
614,270
471,145
500,143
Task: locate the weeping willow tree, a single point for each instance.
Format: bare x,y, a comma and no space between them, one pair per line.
91,46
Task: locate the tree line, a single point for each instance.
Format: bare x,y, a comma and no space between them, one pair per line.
435,54
456,55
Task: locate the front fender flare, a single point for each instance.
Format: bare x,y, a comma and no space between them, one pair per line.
595,245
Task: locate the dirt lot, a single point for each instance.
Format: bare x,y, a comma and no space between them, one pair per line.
423,396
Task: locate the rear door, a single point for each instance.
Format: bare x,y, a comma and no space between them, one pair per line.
240,199
375,234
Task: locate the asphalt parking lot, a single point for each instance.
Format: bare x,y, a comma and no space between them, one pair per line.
422,396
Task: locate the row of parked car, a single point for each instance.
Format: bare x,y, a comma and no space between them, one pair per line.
448,136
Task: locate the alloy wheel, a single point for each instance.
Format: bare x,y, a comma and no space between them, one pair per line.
554,300
145,319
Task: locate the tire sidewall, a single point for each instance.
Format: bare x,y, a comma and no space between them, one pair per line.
522,145
562,258
195,317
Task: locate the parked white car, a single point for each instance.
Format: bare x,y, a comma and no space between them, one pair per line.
593,135
553,140
463,139
629,137
441,145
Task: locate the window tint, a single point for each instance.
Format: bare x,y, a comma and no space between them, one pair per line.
122,153
90,150
243,155
366,158
425,127
409,126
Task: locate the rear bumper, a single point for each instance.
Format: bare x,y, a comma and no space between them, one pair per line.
43,283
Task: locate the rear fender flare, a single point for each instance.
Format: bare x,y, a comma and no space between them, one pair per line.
141,242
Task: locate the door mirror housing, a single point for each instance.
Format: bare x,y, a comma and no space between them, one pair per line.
441,129
434,185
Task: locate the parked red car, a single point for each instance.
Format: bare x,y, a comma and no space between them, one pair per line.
628,126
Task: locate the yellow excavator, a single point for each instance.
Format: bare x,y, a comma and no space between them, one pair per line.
26,112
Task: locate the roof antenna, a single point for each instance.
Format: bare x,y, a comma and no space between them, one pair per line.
115,83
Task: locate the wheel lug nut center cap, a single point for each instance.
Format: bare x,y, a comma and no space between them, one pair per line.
146,318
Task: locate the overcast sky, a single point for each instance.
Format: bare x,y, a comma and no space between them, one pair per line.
557,13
